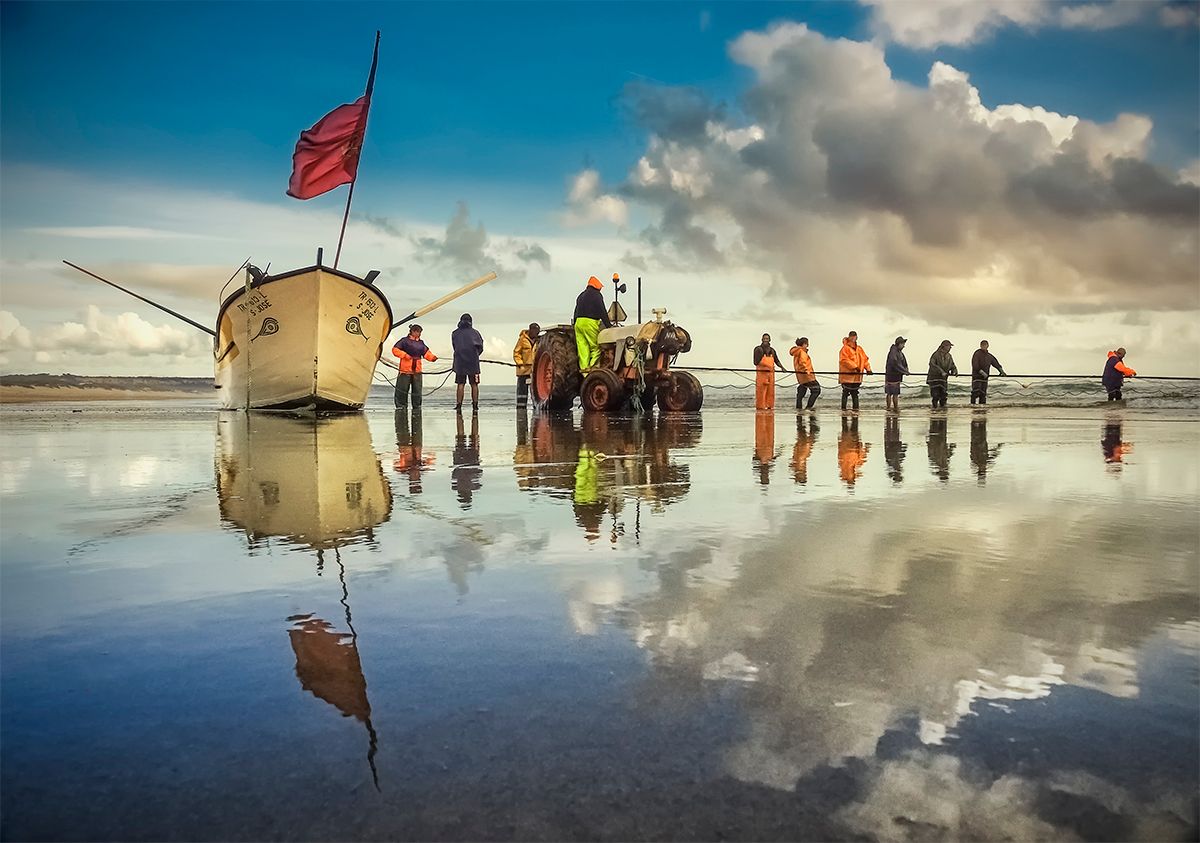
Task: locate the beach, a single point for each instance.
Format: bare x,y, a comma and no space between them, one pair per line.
976,624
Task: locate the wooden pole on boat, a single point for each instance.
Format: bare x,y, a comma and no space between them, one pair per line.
361,136
208,331
449,297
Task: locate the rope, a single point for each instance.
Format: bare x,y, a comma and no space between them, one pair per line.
917,374
1034,381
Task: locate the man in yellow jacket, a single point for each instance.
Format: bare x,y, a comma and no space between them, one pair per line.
523,357
852,365
806,381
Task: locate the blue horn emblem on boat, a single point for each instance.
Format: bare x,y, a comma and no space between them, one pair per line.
354,327
269,326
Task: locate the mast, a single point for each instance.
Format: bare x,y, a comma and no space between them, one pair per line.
361,137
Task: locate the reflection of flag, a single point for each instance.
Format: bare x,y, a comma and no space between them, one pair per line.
327,154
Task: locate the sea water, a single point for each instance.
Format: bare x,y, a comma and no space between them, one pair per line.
973,624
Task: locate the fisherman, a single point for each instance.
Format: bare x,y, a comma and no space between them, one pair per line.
468,346
1115,372
805,379
981,364
590,314
765,361
411,351
523,357
852,364
894,372
941,367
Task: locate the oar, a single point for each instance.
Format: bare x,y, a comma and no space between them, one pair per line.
208,331
449,297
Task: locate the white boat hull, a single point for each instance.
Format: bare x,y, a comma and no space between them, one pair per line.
307,339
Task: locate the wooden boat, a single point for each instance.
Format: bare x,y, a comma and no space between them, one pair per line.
307,339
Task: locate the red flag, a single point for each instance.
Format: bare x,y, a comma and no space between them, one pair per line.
327,154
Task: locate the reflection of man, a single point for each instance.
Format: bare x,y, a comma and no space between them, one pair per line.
466,477
893,448
852,451
939,449
764,445
805,439
410,460
1111,444
1115,372
981,456
589,509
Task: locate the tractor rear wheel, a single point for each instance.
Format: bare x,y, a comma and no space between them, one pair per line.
555,378
602,391
682,394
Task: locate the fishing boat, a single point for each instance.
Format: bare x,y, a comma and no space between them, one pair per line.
306,339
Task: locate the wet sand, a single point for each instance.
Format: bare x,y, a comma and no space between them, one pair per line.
976,625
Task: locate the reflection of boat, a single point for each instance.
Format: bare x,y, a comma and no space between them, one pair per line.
301,339
313,482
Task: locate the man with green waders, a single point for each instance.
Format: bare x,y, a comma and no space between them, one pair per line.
590,314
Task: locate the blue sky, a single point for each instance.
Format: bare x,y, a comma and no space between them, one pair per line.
498,105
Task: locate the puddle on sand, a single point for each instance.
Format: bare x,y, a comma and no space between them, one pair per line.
975,625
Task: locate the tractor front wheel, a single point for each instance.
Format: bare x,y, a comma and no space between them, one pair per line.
682,394
602,391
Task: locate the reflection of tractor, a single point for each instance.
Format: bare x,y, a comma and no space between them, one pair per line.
635,361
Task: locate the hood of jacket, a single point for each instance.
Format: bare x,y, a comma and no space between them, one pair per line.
464,323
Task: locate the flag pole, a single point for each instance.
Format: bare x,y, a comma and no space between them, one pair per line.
361,136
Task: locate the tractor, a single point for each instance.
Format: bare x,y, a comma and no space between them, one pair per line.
635,365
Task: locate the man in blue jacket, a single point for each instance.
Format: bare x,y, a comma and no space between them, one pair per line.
468,346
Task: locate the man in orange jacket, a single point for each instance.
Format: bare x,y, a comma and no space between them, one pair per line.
411,351
1115,372
806,381
852,364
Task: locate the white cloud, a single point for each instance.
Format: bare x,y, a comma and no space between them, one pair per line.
586,205
925,24
849,185
13,335
117,232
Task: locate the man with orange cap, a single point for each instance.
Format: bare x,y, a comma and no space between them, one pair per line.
590,314
852,364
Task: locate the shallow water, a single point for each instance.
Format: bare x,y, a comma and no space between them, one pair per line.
976,625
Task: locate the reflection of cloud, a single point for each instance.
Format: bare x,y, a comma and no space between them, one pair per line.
901,625
929,797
